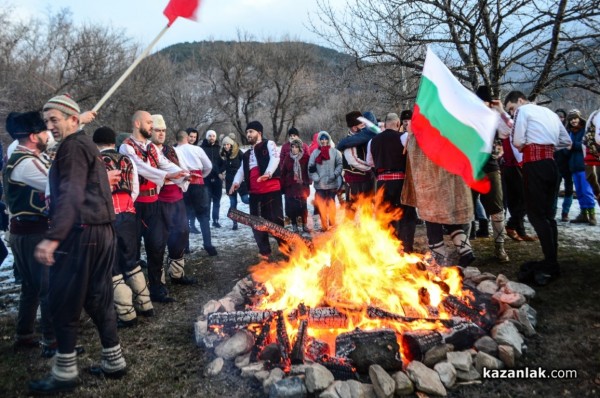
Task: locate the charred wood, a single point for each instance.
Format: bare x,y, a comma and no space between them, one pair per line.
320,318
459,308
378,313
341,368
297,354
260,224
416,343
283,340
316,349
261,341
238,318
366,348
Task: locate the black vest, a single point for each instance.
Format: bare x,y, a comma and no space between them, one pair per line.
261,151
21,198
361,152
388,152
113,160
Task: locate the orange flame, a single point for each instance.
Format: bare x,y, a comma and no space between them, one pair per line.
360,263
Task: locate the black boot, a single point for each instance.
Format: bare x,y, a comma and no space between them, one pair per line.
483,231
472,231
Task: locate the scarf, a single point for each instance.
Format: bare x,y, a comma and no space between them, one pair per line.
323,154
297,168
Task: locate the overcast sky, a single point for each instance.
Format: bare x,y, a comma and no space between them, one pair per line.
217,19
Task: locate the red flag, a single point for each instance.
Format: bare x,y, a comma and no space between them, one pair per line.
181,8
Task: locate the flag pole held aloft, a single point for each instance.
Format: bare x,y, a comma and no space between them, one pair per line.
175,8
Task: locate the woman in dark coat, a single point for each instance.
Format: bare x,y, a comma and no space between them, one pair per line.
232,156
295,184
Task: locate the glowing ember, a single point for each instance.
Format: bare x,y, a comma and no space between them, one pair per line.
359,265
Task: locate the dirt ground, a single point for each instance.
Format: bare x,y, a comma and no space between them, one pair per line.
164,360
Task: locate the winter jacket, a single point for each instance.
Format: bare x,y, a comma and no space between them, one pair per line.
213,153
289,186
576,160
232,161
327,175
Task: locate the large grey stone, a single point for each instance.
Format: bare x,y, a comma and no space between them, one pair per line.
487,286
274,376
487,344
211,306
507,355
200,331
513,299
461,360
239,343
483,360
501,280
383,383
521,288
470,272
317,378
290,387
215,367
425,379
253,368
526,327
531,314
507,333
242,360
403,384
437,354
469,375
447,373
486,276
334,389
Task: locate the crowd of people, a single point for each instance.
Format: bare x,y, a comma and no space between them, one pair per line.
78,212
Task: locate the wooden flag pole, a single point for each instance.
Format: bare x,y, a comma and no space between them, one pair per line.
129,70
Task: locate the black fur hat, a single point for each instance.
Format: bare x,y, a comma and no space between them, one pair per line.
20,125
104,136
484,93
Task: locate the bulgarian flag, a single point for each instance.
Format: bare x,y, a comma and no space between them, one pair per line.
453,127
181,8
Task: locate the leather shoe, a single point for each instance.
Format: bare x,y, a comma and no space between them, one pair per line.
528,238
211,250
513,235
148,313
184,280
121,324
30,342
51,385
162,298
99,372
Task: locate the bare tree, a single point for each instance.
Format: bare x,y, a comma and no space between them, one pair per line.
539,44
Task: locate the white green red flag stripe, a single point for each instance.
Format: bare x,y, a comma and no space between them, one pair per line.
453,127
181,8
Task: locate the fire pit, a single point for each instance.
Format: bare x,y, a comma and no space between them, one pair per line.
351,306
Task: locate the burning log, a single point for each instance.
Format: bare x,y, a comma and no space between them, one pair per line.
459,308
339,367
378,313
366,348
417,342
320,318
283,341
261,341
238,318
297,354
260,224
316,349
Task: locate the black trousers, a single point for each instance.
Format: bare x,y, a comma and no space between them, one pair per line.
514,196
81,278
215,190
541,181
198,198
127,237
34,286
151,226
406,226
176,221
296,207
268,206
